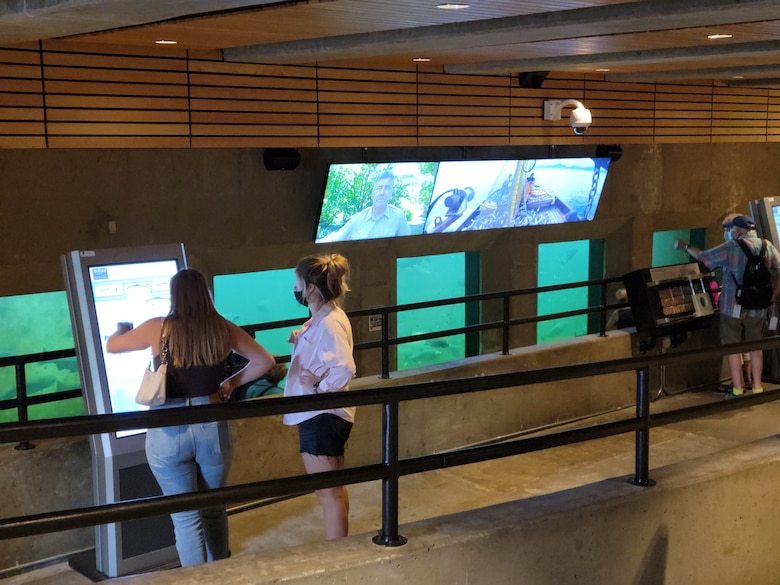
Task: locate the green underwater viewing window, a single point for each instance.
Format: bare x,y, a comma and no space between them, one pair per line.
37,323
429,278
252,298
8,392
562,263
664,252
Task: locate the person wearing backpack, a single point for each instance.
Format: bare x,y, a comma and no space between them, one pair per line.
750,282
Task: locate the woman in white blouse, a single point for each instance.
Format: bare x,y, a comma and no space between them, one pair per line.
322,361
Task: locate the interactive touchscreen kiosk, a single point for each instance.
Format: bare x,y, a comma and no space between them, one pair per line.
105,287
766,214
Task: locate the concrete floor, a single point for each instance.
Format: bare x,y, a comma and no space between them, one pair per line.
297,521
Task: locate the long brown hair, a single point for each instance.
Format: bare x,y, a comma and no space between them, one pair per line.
197,334
327,272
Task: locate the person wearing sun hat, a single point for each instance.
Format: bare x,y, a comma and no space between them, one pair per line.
738,324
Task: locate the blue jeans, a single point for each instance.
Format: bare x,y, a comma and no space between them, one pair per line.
189,458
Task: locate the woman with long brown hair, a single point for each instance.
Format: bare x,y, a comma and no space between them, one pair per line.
188,458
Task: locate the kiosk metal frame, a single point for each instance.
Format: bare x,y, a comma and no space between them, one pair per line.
103,287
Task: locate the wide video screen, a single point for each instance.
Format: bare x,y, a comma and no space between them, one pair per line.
382,200
131,292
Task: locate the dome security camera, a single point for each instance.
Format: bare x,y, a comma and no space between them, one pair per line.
580,118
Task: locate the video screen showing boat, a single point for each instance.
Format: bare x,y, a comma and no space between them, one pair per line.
480,195
559,190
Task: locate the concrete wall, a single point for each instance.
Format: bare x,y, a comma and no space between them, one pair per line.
234,216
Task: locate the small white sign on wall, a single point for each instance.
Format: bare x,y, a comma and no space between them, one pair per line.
375,322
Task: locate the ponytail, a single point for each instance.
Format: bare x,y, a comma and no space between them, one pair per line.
329,273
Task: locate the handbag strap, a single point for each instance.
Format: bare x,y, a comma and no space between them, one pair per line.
164,344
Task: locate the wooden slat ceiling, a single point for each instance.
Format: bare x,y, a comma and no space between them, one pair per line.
404,30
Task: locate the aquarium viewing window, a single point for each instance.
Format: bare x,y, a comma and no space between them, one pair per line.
381,200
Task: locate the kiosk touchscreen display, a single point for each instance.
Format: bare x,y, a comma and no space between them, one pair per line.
766,213
776,217
106,287
131,292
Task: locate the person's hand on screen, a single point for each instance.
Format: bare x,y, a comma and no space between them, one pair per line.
123,327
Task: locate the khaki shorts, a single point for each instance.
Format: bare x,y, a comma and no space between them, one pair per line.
733,330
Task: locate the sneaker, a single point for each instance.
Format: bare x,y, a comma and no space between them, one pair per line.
757,390
736,392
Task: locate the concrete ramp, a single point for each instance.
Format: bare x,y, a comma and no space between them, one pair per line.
707,521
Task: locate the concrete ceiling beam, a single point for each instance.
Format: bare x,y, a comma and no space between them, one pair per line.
706,73
606,60
33,20
612,19
759,82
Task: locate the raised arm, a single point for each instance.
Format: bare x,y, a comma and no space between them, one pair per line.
691,250
129,338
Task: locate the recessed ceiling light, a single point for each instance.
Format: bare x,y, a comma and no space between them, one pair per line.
738,77
165,42
421,59
717,37
602,69
453,6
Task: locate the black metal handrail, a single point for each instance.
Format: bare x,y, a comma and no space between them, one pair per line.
386,341
23,401
392,467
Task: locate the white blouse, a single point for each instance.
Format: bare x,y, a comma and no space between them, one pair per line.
322,361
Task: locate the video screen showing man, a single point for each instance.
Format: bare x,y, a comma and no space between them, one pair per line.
373,191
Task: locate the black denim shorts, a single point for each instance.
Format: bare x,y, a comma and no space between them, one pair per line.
325,434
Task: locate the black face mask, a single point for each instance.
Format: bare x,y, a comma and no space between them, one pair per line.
299,298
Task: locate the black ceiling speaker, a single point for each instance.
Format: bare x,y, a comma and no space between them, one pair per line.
281,159
613,151
532,79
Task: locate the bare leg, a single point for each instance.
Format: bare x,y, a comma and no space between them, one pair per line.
735,366
747,369
757,365
334,501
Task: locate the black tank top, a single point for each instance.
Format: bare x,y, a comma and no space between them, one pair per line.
193,381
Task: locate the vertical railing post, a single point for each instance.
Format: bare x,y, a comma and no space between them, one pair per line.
21,401
388,535
642,470
385,346
505,330
603,312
